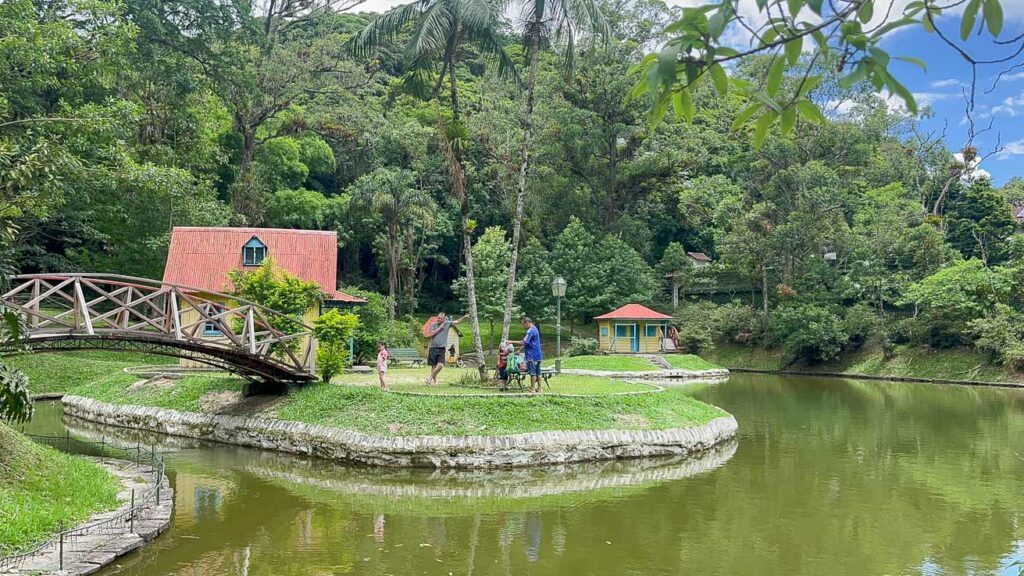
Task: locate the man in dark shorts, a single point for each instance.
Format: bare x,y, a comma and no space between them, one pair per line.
531,350
439,345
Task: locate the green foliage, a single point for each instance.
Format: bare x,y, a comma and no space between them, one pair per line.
697,51
15,402
272,287
583,346
279,164
492,254
333,331
809,333
953,297
375,326
979,222
317,156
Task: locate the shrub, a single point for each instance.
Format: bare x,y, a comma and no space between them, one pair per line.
581,346
333,331
810,333
375,326
997,336
860,323
735,321
695,338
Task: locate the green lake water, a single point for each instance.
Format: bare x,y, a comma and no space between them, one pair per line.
827,477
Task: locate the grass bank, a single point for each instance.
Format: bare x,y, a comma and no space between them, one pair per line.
608,363
907,362
42,490
354,402
51,372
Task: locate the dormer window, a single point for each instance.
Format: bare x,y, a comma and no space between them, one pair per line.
253,252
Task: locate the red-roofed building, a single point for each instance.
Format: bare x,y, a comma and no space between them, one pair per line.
633,328
201,258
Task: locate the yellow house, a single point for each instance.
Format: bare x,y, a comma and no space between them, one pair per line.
633,328
201,258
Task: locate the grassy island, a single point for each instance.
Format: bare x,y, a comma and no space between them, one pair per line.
353,401
42,489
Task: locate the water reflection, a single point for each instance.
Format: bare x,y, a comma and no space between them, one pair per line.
829,477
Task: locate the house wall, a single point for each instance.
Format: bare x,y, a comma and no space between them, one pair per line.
608,342
190,314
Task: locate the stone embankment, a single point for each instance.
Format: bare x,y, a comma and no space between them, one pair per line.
537,448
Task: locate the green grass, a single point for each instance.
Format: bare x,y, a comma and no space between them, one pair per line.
609,363
909,361
370,410
64,371
689,362
411,380
42,489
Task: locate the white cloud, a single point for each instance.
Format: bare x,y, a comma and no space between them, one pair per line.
947,83
1011,149
974,170
1012,77
1011,106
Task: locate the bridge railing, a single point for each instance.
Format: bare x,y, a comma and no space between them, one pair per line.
122,307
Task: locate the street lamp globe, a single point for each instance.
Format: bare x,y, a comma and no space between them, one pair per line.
558,287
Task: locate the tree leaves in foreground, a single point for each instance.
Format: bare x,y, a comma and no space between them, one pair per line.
849,33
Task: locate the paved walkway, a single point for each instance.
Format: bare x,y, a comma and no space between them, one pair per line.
109,535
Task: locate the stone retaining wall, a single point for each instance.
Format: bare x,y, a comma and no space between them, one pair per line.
529,449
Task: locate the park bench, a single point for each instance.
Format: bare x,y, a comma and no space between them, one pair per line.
521,379
396,356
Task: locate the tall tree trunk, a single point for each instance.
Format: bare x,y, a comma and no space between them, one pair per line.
764,290
393,260
474,318
460,192
241,193
524,167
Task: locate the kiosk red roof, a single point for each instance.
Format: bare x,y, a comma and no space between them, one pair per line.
633,312
202,257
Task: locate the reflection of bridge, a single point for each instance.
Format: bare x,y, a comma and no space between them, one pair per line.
110,312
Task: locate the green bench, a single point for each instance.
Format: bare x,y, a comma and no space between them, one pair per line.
521,379
397,356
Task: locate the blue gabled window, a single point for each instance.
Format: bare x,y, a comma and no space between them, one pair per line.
253,252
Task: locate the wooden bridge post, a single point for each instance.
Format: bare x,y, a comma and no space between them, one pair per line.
34,320
82,308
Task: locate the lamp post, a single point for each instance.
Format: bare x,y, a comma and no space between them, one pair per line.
558,290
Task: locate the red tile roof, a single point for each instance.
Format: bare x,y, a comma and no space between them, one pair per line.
699,256
202,257
633,312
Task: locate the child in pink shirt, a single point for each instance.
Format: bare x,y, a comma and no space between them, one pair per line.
382,364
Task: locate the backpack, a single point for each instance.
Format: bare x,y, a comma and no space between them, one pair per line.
516,364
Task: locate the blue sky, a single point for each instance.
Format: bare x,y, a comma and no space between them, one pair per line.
948,76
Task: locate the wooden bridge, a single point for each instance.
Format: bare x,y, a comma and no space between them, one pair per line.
111,312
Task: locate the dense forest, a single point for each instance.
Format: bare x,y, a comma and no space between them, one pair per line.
435,127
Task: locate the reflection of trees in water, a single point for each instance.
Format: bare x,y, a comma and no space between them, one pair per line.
881,474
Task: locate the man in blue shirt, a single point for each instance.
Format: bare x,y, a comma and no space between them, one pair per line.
531,350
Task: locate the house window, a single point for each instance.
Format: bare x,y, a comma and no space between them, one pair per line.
651,330
254,252
620,330
604,331
212,328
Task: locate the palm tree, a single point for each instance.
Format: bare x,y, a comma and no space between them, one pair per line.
439,28
542,21
390,193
